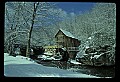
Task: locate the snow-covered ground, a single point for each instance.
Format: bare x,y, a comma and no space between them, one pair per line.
20,66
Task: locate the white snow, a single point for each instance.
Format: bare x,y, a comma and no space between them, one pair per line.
96,56
68,33
48,53
74,62
20,66
44,57
87,47
90,38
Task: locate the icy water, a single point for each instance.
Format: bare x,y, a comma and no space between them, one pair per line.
104,71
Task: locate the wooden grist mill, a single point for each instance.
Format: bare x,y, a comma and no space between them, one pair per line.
68,42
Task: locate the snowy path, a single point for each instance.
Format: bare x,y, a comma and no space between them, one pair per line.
22,67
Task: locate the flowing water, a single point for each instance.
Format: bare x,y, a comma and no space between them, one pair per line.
100,71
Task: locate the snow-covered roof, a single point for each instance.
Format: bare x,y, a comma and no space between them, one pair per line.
68,33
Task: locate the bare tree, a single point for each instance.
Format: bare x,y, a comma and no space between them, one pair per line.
31,28
26,16
41,15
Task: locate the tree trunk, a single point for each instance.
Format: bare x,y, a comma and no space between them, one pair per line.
28,46
30,32
29,38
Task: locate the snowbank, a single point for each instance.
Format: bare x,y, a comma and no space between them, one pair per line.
20,66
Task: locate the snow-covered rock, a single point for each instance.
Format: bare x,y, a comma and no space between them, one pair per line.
74,62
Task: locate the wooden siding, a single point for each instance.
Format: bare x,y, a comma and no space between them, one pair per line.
71,44
65,41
